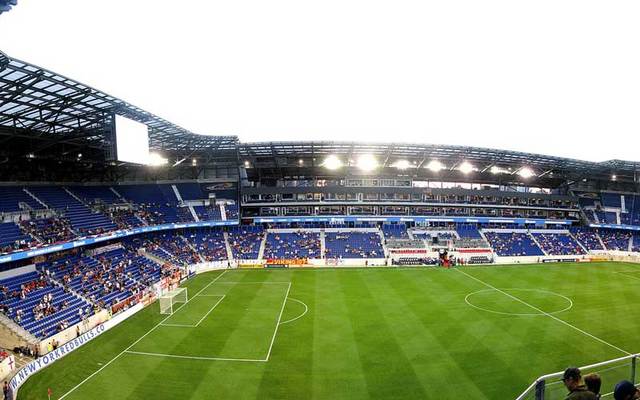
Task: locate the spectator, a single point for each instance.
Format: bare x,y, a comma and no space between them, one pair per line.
625,390
593,383
572,380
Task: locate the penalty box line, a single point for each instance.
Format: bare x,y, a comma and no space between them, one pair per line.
137,341
544,312
205,316
186,357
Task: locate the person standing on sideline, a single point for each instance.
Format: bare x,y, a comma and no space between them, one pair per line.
572,380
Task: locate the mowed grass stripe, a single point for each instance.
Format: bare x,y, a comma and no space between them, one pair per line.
387,370
337,367
293,349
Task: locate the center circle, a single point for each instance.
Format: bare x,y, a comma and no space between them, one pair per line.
522,302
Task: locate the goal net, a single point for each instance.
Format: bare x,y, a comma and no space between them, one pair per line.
172,297
550,387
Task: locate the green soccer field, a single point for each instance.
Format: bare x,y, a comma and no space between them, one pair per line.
473,333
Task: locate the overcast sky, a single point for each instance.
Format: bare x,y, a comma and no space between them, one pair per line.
558,77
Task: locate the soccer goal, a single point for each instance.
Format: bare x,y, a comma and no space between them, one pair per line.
168,299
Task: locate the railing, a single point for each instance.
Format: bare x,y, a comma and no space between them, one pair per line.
550,387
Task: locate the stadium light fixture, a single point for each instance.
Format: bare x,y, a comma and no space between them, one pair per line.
367,162
194,162
466,167
435,166
332,162
497,170
156,160
402,164
526,172
614,177
246,164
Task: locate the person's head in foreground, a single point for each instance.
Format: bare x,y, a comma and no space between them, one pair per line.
572,378
625,390
593,383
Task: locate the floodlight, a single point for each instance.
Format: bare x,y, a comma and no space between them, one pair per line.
367,162
466,167
526,172
435,166
156,160
332,162
402,164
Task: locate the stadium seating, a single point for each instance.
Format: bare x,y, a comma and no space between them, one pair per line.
513,244
49,230
353,245
40,306
292,245
96,194
468,231
558,244
245,242
208,213
615,240
395,231
83,220
588,237
209,244
12,196
12,238
190,191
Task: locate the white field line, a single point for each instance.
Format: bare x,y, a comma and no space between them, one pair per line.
193,357
252,283
201,319
545,313
306,308
628,274
136,342
275,332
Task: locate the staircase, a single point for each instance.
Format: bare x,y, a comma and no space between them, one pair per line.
177,193
323,245
193,212
13,335
116,193
630,249
228,247
537,243
223,212
383,241
263,245
579,242
36,198
601,241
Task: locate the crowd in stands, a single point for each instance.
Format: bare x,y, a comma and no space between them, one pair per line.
558,244
49,230
588,238
302,244
615,239
245,242
513,244
353,245
210,245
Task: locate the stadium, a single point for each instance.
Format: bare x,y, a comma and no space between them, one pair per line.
139,260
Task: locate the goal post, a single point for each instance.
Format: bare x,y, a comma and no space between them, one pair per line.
172,297
550,387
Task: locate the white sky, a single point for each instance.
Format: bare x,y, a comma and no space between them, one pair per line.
559,77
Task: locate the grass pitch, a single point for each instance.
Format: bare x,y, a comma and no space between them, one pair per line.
473,333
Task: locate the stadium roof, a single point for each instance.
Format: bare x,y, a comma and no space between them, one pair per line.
47,106
47,115
279,154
